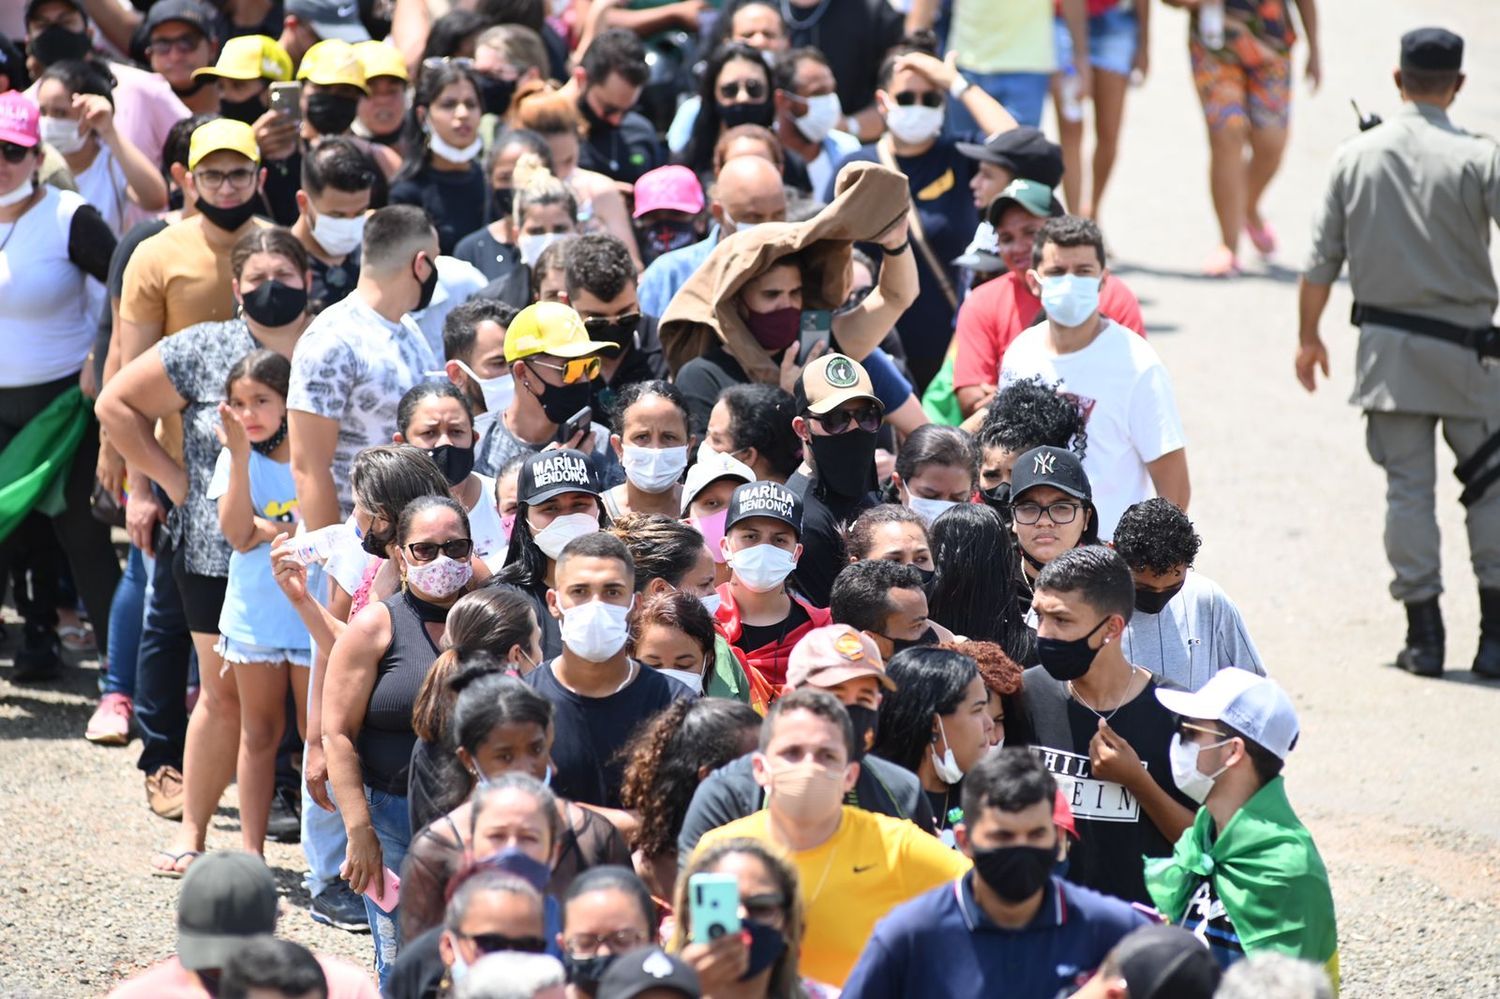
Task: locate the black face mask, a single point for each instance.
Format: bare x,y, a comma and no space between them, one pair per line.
929,637
1015,873
494,94
374,544
1068,659
998,499
844,463
866,722
766,947
928,575
502,200
228,219
247,111
1152,601
331,114
429,286
455,462
56,43
275,304
271,443
560,402
664,237
585,972
734,115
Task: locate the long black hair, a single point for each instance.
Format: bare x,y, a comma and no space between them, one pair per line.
931,682
978,577
699,152
430,84
525,563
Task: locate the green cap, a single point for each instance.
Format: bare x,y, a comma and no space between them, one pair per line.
227,897
1035,198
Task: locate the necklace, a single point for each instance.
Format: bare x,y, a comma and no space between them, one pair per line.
823,880
803,23
1124,697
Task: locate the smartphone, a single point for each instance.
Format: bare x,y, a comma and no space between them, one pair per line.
390,890
579,421
817,327
713,906
286,98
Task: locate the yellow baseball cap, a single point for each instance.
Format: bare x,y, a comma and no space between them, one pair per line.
551,328
380,59
250,57
221,135
330,63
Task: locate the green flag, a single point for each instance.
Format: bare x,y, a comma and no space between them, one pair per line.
34,465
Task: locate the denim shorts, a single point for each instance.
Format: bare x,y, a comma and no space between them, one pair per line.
1112,40
238,653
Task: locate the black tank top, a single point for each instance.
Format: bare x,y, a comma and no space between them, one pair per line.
385,741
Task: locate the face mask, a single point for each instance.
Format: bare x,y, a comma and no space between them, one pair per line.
654,469
806,792
1068,659
664,237
553,538
271,443
1015,873
514,860
928,509
247,111
532,245
455,462
596,630
273,304
913,123
460,968
928,575
331,114
711,603
501,201
929,637
712,529
734,115
844,463
767,944
452,153
228,219
1153,601
1184,760
495,94
776,330
823,113
442,577
428,285
17,194
948,770
692,681
62,134
585,972
1069,299
560,402
507,525
732,226
762,568
998,499
55,43
866,721
497,391
339,236
374,544
995,749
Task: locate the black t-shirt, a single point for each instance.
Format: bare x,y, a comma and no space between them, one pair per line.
758,636
622,153
494,259
1114,830
854,35
283,181
642,363
330,282
701,381
591,731
823,515
115,283
456,200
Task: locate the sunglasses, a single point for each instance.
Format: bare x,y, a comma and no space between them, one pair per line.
840,421
434,63
753,89
930,99
457,549
578,369
14,153
494,943
604,324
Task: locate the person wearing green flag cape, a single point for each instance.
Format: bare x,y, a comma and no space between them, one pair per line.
1246,876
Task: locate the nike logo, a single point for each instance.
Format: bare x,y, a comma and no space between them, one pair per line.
861,870
347,11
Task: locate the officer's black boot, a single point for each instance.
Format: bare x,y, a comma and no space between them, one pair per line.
1423,655
1487,659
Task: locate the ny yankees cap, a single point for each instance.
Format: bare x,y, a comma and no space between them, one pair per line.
1050,466
765,499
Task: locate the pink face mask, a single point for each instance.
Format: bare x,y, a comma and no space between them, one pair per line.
440,578
507,524
712,529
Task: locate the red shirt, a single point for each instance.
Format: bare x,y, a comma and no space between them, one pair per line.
998,311
770,660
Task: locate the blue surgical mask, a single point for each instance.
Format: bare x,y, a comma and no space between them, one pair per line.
1069,298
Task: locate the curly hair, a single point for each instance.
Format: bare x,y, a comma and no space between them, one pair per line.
665,756
1002,677
1154,536
1031,413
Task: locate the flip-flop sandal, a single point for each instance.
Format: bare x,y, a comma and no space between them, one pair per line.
1263,238
175,858
77,638
1222,264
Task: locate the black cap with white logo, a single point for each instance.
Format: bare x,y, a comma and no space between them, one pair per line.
1050,466
765,499
551,473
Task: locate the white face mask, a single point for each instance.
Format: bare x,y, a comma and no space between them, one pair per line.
914,123
823,113
762,568
654,469
711,602
1184,760
596,631
62,134
532,244
497,391
553,538
454,154
928,509
995,749
1069,298
339,236
734,226
692,681
947,768
17,194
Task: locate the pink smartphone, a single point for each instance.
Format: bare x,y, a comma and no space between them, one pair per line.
390,891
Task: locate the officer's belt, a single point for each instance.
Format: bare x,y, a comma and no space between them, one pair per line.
1485,342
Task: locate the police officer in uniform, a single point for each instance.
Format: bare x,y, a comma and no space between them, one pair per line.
1409,205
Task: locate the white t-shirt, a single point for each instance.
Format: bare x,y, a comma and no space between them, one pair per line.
45,327
1197,633
1127,402
484,526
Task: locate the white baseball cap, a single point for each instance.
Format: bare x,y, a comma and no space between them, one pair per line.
712,466
1255,706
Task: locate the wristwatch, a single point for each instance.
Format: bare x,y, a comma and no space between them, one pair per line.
959,86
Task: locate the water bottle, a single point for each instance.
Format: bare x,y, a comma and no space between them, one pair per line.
320,545
1211,23
1072,107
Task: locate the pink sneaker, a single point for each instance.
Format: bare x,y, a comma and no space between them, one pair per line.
110,725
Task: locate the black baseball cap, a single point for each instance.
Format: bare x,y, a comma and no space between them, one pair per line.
1432,49
647,970
32,5
13,65
1166,962
1050,466
227,897
550,473
765,499
189,12
1025,151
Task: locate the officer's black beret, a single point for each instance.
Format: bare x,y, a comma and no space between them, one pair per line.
1435,49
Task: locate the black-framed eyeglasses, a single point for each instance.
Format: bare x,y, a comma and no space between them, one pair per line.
238,178
841,421
184,44
753,89
1061,512
457,549
14,153
494,943
929,99
618,942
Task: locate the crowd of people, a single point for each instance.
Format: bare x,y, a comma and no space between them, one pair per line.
656,498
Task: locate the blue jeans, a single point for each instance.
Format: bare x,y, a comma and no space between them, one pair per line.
392,824
1023,95
161,679
127,613
323,840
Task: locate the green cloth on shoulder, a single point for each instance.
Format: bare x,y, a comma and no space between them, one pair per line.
33,466
940,401
726,678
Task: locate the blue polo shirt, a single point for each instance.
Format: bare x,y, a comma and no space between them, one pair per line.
942,944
